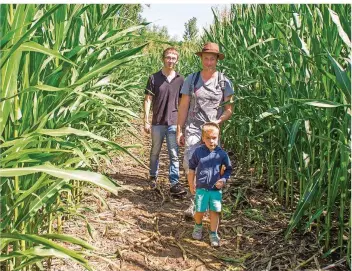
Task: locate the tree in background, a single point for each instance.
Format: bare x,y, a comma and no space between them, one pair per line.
191,30
131,14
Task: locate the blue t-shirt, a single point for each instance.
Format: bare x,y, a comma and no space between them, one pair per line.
207,165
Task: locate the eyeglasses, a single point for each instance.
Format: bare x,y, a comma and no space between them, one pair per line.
171,58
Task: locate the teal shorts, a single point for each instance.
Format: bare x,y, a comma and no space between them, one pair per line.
208,200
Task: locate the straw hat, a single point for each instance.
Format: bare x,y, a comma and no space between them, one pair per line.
211,48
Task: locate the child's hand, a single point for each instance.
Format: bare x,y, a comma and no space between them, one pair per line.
220,183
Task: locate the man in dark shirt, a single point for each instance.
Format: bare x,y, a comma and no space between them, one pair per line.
162,93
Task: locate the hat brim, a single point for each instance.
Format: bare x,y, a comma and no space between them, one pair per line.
220,55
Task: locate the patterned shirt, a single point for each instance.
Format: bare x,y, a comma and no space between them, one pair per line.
204,104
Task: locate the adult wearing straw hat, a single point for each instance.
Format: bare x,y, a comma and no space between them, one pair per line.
203,94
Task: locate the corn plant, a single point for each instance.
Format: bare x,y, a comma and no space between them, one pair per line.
65,93
291,68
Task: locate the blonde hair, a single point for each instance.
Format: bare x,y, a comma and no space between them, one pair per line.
170,50
210,126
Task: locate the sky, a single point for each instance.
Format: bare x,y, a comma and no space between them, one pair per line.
174,16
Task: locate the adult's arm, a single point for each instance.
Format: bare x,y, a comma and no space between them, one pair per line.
147,103
227,112
181,118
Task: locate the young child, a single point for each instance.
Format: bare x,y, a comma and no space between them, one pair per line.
206,163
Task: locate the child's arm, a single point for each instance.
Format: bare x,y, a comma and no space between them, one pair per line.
190,178
193,163
228,167
225,172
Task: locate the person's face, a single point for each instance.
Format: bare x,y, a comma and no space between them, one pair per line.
170,60
210,138
209,61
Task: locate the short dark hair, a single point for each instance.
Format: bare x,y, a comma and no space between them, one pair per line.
170,50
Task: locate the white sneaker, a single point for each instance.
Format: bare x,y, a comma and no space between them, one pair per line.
214,240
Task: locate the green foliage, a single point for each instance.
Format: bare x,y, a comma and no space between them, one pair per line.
70,86
191,30
291,72
73,78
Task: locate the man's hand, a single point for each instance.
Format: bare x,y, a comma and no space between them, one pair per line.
147,103
147,127
180,139
192,190
220,183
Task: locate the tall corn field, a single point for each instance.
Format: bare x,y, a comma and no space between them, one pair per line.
71,81
66,90
291,66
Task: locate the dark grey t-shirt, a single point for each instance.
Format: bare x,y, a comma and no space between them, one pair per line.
165,97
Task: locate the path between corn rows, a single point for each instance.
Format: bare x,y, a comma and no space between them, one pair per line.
144,230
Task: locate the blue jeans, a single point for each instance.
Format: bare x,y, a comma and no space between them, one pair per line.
158,134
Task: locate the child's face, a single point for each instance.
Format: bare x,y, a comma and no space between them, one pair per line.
210,138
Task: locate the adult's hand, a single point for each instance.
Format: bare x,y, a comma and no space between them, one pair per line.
180,139
147,127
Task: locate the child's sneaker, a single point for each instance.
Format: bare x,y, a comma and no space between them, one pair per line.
214,239
197,232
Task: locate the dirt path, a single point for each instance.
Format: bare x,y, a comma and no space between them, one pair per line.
144,230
